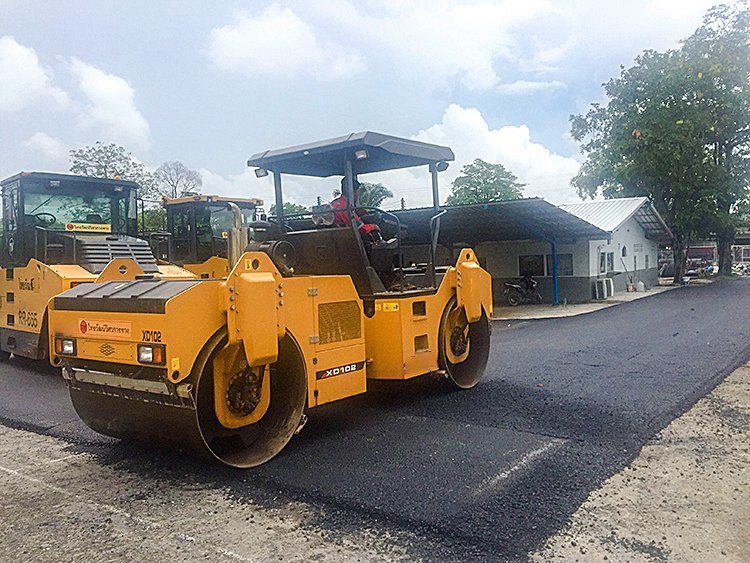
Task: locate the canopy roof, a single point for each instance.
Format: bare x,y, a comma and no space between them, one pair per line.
69,179
207,198
520,219
327,158
610,214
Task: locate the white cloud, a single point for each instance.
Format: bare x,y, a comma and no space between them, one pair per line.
52,150
279,43
521,87
437,42
465,130
23,80
111,109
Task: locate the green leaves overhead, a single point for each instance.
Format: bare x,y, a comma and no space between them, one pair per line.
482,182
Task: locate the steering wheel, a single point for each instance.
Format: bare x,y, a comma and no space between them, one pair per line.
47,218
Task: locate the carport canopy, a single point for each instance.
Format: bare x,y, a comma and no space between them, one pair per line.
519,219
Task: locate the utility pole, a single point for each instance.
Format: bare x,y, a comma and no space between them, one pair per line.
403,203
319,203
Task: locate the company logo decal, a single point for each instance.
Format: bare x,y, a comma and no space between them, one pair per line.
111,329
90,227
340,370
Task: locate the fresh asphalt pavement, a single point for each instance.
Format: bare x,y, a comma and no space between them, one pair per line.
495,470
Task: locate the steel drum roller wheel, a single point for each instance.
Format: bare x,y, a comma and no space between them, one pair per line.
463,348
197,429
252,445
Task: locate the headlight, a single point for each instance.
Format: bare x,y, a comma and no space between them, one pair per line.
65,346
151,354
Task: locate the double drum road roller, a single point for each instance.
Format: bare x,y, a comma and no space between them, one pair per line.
309,311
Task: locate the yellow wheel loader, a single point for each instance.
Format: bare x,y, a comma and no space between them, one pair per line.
60,231
197,232
309,312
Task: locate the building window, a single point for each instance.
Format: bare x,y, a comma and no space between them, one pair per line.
647,261
610,261
635,263
532,265
564,264
602,262
624,251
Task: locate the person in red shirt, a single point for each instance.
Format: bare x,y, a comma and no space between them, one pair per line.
369,232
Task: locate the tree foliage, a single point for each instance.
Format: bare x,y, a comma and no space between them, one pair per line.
113,161
290,208
373,195
153,219
482,182
370,194
177,180
675,129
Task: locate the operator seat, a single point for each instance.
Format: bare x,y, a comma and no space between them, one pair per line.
335,251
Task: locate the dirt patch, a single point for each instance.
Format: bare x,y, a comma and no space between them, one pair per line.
686,497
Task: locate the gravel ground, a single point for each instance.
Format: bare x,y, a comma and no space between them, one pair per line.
686,497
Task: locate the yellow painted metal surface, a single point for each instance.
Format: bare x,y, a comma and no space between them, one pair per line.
341,347
214,267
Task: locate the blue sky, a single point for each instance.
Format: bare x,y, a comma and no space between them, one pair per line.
211,83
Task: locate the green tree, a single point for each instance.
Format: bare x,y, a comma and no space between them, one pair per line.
373,195
290,208
482,182
153,219
370,194
660,135
718,54
177,180
113,161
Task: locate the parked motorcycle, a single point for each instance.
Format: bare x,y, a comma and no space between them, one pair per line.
523,292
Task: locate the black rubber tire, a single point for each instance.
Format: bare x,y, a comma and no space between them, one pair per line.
468,373
513,298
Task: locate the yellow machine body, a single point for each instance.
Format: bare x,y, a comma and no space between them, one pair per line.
214,267
259,312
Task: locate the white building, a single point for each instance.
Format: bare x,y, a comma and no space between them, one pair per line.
630,254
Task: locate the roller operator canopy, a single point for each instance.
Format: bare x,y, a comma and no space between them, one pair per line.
368,151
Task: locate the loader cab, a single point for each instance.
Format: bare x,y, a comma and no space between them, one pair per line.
46,216
198,227
319,247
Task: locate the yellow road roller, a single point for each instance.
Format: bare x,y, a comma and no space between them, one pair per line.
60,231
198,229
308,313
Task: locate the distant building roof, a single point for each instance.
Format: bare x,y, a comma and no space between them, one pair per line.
610,214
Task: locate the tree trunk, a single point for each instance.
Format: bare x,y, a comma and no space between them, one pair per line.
724,246
679,253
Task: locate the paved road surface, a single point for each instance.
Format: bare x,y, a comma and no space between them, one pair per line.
565,404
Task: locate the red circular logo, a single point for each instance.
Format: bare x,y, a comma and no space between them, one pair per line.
84,327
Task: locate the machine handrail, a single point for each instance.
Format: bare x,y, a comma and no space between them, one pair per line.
434,234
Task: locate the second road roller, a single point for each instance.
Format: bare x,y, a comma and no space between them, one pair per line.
314,305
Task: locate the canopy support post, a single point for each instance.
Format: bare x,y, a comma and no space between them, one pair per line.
279,199
555,286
